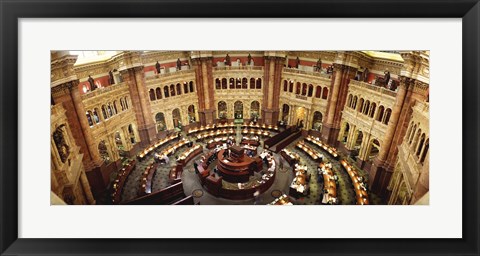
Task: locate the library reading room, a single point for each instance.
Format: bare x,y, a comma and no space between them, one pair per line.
239,128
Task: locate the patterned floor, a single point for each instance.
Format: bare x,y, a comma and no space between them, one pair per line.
281,185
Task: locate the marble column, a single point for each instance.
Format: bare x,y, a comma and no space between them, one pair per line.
378,175
140,101
332,103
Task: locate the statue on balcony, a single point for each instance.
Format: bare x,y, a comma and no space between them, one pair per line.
249,59
297,64
157,67
110,77
386,78
365,75
179,64
227,60
92,83
319,65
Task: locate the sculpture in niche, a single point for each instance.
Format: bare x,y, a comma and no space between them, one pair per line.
249,59
157,67
91,81
386,78
179,64
319,65
110,77
297,64
62,147
227,60
365,75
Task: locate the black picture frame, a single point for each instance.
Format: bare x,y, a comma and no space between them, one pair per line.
11,11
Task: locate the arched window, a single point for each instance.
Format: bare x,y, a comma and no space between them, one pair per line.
96,118
122,104
185,86
360,105
317,121
151,92
318,92
217,84
416,138
131,134
104,112
354,103
310,90
410,140
388,112
425,151
238,83
179,89
160,121
285,85
176,117
285,112
172,90
259,83
191,114
420,145
89,118
252,83
126,102
367,107
232,83
110,113
304,89
115,106
325,93
224,83
244,83
238,110
222,109
349,100
165,91
380,113
290,87
158,92
409,131
112,108
192,88
374,149
102,149
254,109
372,111
299,85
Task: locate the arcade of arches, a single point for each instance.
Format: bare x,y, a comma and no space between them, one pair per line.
240,127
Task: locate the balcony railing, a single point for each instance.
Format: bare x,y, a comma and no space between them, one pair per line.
99,91
168,74
374,88
303,72
238,68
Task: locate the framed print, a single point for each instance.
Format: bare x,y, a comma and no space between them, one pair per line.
180,128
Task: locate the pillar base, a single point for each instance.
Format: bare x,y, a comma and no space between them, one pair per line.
99,178
270,116
330,134
207,116
379,178
148,135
